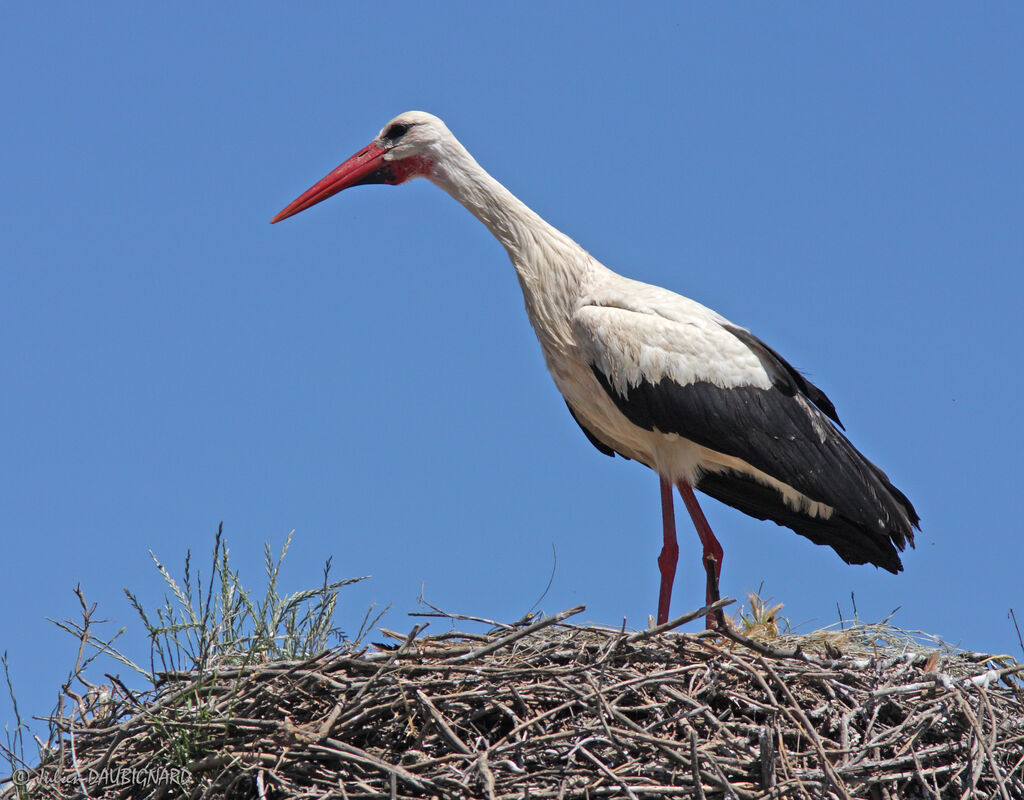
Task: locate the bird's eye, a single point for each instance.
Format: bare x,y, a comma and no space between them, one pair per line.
396,131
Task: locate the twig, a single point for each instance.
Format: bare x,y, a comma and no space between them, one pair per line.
698,782
715,607
450,736
517,635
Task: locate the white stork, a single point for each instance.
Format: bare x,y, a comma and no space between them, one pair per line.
659,378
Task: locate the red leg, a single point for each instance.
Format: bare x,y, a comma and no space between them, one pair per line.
669,551
712,549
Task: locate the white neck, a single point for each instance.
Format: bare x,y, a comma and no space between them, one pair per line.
511,221
549,264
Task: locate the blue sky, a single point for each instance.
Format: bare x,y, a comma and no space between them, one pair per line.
848,183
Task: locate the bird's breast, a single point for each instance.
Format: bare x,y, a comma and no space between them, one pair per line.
668,454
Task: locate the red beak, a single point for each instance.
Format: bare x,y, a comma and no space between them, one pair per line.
366,166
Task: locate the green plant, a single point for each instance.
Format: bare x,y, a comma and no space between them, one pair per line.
223,624
205,625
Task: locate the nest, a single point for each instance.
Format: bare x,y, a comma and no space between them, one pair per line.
545,709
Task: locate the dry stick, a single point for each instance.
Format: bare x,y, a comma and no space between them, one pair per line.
695,765
920,721
826,765
604,710
792,776
327,724
1018,765
732,791
446,731
801,719
668,747
921,778
706,712
583,698
538,718
516,636
105,759
766,744
993,744
947,749
604,768
352,753
353,704
984,747
698,707
463,617
74,762
715,606
978,765
486,773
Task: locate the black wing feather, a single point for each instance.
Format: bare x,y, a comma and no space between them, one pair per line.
785,432
783,374
852,542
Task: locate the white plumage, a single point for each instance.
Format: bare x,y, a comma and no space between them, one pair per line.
659,378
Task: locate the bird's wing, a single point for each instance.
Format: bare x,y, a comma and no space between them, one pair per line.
630,343
688,371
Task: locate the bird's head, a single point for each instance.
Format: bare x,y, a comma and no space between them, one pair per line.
407,147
